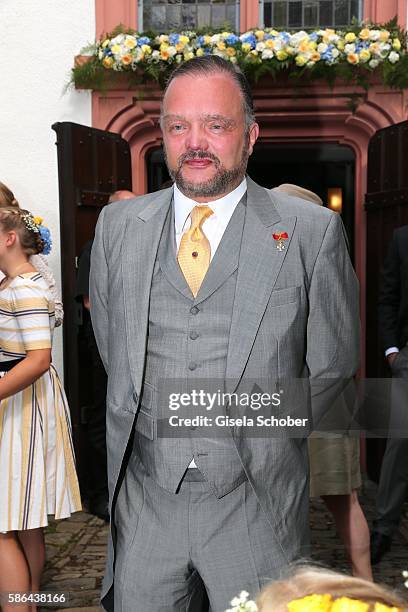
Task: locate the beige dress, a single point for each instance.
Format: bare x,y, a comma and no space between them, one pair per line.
37,465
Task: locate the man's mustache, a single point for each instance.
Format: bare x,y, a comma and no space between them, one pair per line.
198,155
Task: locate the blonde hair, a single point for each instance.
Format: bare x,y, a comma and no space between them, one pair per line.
14,218
7,197
309,580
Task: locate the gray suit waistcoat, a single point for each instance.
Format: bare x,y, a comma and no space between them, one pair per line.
188,342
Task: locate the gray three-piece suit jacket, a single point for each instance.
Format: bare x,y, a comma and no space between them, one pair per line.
262,312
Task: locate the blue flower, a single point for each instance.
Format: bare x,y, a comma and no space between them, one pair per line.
174,39
285,36
143,40
249,38
46,238
232,39
314,36
200,41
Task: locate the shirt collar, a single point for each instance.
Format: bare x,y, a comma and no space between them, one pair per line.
223,207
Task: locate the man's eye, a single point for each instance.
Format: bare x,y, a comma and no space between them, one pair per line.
177,127
217,127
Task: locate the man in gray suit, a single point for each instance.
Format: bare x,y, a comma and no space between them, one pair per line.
216,279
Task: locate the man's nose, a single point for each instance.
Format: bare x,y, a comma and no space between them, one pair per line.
197,138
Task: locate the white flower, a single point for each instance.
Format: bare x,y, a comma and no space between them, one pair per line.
335,53
322,48
350,48
260,46
393,57
373,63
267,54
374,34
297,38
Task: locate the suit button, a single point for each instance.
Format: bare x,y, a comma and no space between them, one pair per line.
193,335
194,310
192,365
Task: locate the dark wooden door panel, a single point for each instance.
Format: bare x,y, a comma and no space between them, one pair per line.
386,205
91,165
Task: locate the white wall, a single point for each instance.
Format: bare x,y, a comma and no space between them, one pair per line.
37,47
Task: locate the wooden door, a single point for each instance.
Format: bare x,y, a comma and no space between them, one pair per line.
386,205
92,164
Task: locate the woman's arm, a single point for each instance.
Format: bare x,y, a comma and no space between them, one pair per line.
34,365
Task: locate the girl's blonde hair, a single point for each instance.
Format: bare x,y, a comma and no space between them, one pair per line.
309,580
14,218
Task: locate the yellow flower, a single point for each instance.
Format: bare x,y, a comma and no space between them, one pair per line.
353,58
38,220
126,59
282,55
345,604
365,55
146,49
374,47
105,42
269,43
207,39
384,35
396,44
231,51
189,55
364,34
260,34
164,55
315,56
164,46
221,45
341,44
225,34
301,60
184,39
311,603
130,42
199,52
180,46
163,38
312,45
381,608
246,47
350,37
116,49
107,62
304,46
274,33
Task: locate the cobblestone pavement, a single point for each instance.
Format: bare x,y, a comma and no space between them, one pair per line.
76,553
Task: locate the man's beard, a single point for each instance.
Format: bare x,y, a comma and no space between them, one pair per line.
224,181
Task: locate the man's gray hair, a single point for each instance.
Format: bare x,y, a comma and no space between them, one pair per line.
212,64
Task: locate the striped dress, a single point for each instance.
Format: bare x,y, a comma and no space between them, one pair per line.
37,465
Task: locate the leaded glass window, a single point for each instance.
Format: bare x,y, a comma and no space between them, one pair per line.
296,14
165,15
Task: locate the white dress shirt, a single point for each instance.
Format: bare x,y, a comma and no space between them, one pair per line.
213,227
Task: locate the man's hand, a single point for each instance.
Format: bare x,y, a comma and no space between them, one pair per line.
86,302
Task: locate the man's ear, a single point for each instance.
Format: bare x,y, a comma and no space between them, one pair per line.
253,134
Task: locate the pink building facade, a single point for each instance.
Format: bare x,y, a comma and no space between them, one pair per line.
318,115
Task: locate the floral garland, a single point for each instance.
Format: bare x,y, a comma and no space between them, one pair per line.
313,603
351,54
35,224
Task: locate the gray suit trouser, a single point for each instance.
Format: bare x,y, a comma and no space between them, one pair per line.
393,485
169,544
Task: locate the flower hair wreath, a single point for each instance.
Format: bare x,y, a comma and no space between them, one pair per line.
313,603
34,224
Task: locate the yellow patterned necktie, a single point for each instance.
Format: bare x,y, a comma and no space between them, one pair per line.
195,251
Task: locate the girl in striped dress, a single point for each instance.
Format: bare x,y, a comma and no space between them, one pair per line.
37,465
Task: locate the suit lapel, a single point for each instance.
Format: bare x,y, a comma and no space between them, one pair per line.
259,265
140,244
